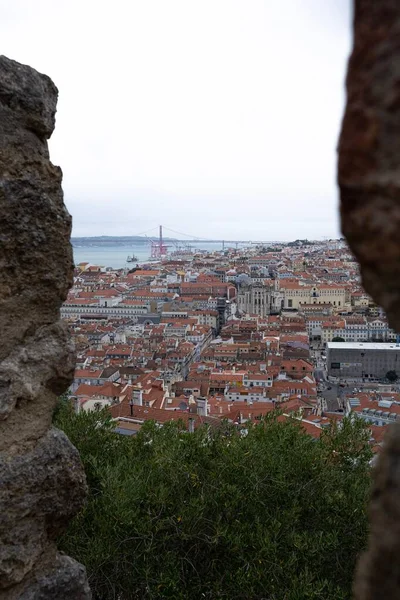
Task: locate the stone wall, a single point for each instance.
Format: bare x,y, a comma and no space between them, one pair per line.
42,483
369,151
369,180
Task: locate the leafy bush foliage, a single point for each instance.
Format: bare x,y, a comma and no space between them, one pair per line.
392,376
272,514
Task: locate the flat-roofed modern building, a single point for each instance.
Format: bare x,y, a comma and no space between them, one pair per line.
364,360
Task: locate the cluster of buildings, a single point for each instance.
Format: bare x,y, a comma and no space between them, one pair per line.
223,335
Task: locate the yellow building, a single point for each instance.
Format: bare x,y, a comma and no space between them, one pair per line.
294,294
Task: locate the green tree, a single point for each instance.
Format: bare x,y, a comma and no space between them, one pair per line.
392,376
338,339
271,513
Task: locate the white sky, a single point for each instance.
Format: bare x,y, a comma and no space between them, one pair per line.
219,118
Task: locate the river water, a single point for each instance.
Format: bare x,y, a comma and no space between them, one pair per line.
115,256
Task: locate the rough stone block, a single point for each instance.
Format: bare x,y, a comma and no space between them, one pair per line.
42,482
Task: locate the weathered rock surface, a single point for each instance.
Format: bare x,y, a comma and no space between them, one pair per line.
369,180
42,482
369,151
35,254
65,580
378,573
36,497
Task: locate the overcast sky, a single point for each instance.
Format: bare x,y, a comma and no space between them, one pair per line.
218,118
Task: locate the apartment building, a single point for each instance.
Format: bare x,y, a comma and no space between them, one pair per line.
358,329
364,360
78,309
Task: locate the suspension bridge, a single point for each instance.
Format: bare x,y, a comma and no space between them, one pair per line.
160,244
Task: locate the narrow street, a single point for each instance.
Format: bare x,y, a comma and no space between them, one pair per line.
331,392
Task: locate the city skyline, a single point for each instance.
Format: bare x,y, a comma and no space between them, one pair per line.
217,116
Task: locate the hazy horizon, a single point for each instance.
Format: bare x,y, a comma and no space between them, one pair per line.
217,118
195,239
